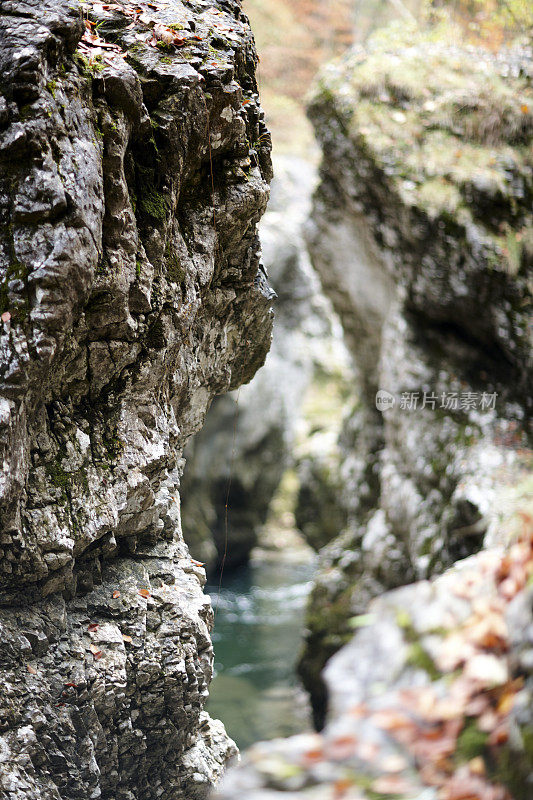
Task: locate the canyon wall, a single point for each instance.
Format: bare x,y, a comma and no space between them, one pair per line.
135,167
421,233
248,440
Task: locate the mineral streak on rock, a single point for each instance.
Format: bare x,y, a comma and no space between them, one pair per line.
130,189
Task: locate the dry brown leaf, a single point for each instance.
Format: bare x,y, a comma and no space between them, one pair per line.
95,651
453,651
163,33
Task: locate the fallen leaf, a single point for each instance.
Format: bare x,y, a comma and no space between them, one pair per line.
31,669
115,594
127,638
340,787
394,763
313,756
486,669
6,316
95,651
477,766
342,747
391,720
144,592
93,627
164,34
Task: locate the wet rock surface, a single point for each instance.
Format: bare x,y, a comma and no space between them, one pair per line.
134,170
421,233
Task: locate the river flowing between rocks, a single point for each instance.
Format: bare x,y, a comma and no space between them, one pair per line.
258,627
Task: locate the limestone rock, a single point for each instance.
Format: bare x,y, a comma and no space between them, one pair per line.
130,295
248,440
421,232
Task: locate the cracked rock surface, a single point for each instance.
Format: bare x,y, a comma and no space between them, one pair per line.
131,182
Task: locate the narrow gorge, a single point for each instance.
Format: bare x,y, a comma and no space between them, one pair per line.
308,383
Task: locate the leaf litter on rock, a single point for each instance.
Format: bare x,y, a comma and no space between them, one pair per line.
93,45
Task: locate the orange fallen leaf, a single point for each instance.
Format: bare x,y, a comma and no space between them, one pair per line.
313,756
340,787
6,316
144,592
115,594
127,638
31,669
499,736
342,747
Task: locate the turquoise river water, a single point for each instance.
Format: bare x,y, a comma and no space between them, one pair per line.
258,628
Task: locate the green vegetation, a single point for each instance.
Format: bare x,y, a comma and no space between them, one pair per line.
90,67
471,742
175,271
419,658
153,203
114,446
453,131
64,480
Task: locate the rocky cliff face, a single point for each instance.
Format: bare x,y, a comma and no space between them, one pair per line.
422,235
134,171
249,437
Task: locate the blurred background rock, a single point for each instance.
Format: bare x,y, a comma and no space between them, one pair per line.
420,237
